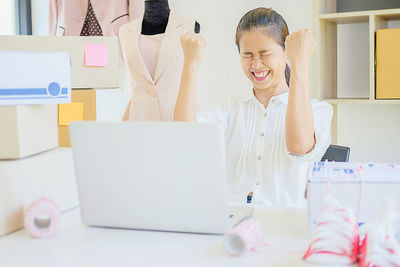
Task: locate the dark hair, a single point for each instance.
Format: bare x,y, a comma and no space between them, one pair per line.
268,19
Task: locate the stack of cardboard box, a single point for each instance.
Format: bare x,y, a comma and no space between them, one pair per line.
36,109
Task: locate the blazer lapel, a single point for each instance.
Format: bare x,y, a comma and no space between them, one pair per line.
131,46
170,44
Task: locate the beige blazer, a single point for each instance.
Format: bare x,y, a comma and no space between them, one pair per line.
154,100
66,17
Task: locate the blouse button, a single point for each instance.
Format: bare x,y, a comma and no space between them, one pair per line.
258,183
262,134
265,114
259,157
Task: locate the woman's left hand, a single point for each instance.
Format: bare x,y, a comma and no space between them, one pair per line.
299,47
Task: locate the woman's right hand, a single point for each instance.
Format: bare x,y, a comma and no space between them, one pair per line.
193,45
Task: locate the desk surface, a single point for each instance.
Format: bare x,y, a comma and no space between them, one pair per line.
78,245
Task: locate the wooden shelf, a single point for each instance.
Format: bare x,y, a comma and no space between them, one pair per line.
386,101
347,100
387,13
360,16
360,101
346,18
325,60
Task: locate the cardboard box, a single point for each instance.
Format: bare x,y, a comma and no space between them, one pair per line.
388,64
69,112
29,78
82,76
371,185
63,136
50,174
27,130
88,99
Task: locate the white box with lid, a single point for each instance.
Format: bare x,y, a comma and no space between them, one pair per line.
363,187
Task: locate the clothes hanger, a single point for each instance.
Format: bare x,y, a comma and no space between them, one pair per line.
155,18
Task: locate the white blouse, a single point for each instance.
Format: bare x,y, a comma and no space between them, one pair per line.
257,157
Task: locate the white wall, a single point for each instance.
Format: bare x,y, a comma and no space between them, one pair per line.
40,15
7,17
371,130
221,75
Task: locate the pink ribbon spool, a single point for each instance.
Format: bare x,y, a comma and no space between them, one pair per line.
245,237
42,218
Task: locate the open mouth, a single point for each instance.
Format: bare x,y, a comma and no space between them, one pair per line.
260,75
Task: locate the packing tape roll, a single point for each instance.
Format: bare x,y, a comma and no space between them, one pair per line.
42,218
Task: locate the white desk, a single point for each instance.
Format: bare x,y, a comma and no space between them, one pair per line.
77,245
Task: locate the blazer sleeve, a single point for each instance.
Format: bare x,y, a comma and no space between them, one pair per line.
53,16
135,9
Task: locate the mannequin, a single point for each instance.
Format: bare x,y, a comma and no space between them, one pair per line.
155,19
154,59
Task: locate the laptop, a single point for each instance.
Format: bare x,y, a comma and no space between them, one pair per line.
166,176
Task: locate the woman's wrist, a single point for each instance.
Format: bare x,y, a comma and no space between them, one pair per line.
299,77
299,66
190,67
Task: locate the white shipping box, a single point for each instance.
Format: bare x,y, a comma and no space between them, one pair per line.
27,130
50,174
82,75
34,78
365,188
111,104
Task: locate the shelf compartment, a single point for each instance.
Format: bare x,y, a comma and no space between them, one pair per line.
353,81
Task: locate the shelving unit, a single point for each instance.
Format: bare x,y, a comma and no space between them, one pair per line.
325,62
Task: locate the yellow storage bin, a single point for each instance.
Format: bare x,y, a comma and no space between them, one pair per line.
388,64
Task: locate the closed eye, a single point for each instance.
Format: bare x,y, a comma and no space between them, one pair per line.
266,55
247,55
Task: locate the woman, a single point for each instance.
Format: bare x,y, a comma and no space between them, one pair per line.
272,135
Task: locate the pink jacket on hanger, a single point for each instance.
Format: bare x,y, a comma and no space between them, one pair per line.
66,17
153,99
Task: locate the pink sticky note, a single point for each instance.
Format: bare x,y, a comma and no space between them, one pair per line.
96,55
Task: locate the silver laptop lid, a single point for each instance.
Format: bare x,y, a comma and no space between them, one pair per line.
156,176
